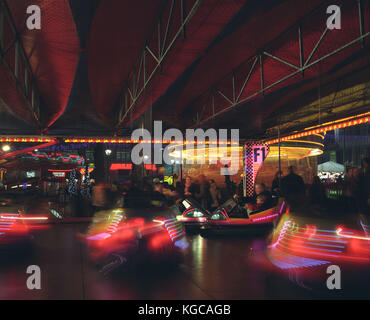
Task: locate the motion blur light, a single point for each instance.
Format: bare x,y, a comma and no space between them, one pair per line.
6,148
108,152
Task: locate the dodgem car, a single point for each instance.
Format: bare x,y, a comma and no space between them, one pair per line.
302,241
231,218
14,228
193,216
137,232
307,245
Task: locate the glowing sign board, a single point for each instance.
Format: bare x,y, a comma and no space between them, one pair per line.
254,156
59,174
30,174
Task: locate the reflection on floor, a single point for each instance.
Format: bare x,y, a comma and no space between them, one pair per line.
215,268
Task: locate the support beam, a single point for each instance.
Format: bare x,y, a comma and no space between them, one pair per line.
163,46
21,72
243,74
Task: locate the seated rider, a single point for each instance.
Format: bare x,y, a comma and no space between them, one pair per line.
262,203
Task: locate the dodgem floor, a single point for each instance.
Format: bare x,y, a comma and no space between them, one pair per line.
215,268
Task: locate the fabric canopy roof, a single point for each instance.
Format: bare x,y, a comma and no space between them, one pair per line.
330,166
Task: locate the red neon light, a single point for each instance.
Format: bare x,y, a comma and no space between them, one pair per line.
117,140
26,150
339,233
35,139
120,166
20,139
269,217
128,166
152,167
23,218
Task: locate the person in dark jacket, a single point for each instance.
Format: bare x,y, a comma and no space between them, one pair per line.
275,187
190,188
364,188
293,188
317,192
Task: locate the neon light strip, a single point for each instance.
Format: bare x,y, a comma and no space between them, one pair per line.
158,221
265,218
99,236
28,218
187,211
310,142
104,140
285,232
174,228
339,230
308,247
332,126
110,140
54,156
323,240
288,261
26,150
311,252
20,139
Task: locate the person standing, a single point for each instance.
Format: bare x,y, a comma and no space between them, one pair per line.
190,188
364,188
352,190
204,195
317,192
215,194
275,187
293,188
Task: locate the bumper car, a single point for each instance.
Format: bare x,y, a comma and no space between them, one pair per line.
310,241
14,229
132,236
232,219
192,215
307,247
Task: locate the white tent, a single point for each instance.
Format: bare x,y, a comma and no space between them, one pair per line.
330,166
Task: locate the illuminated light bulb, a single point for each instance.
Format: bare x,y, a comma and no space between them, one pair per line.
6,148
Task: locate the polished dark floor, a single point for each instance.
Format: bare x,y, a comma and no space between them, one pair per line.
216,268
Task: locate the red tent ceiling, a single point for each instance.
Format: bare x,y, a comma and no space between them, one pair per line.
216,70
117,35
243,43
120,29
208,21
53,51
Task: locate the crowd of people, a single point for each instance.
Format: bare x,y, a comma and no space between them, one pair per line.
355,192
290,186
204,190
